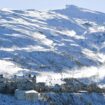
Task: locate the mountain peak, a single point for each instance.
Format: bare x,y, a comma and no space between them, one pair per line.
52,41
72,7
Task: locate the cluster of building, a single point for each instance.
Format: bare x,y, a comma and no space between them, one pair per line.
27,88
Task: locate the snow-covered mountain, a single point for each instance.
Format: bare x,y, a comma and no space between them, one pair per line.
69,42
52,41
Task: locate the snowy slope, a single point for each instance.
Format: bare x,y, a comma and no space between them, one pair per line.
54,41
64,99
55,44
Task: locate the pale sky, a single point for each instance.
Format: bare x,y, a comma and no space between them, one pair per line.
98,5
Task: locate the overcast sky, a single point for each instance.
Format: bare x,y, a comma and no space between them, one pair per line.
98,5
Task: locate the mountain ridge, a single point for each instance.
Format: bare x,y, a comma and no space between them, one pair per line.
51,41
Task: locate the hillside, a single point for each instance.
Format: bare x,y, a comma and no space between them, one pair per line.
55,44
55,41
